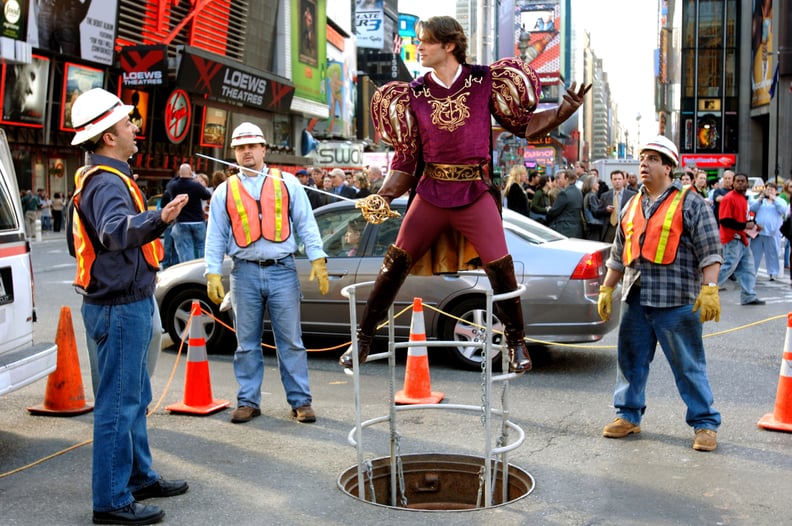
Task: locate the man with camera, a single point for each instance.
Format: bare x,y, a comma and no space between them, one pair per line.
769,212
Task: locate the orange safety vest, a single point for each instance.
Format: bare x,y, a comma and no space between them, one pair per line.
84,251
658,238
241,207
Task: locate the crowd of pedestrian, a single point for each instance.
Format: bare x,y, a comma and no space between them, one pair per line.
555,200
39,207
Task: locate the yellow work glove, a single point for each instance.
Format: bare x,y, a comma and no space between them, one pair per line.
709,302
319,271
214,288
605,302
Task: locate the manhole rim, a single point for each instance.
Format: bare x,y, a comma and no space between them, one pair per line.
351,474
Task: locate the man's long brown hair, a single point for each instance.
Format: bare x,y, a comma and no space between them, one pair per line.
444,29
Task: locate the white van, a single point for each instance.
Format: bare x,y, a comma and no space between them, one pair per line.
21,361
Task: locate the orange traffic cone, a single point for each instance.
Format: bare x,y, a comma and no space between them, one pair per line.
417,385
197,386
65,395
781,419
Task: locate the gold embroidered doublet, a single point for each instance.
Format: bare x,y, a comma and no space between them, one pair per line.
515,93
390,112
451,112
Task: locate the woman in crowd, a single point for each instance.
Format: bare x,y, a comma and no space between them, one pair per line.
540,203
515,195
593,224
362,185
57,211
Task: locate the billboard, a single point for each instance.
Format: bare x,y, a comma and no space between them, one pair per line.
86,30
762,54
14,18
540,31
144,65
225,80
309,37
369,22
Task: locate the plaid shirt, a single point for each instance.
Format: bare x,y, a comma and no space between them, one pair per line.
678,283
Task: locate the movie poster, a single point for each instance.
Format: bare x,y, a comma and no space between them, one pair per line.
139,100
214,127
25,92
78,80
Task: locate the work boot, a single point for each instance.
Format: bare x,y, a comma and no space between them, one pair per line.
501,276
620,428
705,440
395,266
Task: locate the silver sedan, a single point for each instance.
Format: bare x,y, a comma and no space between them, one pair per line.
562,277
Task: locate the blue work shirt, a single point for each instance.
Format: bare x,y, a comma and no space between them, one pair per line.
220,241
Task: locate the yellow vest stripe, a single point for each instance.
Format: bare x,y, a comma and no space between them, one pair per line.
278,190
667,221
629,232
235,183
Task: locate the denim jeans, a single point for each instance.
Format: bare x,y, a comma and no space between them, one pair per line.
121,454
276,288
189,239
155,347
738,260
170,257
678,330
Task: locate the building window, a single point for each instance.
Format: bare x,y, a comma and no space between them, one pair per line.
709,72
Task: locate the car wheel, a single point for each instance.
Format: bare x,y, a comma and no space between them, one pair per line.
177,314
469,328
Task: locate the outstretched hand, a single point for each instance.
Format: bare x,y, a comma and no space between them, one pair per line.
572,100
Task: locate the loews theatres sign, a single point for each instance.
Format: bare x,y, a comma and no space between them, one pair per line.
232,82
144,65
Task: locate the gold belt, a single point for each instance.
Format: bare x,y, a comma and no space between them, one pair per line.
453,172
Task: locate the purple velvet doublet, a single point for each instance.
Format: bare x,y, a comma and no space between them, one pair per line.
424,120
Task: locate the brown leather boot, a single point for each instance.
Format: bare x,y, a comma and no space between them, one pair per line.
501,275
395,267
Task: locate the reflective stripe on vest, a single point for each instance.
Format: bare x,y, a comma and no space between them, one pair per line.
657,239
241,206
84,250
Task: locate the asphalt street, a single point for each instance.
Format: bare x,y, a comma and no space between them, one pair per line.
274,470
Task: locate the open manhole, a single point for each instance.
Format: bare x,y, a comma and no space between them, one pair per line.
436,482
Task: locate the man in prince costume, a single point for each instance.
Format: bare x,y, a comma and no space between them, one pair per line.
440,126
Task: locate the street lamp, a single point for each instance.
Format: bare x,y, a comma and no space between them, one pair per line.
523,42
626,144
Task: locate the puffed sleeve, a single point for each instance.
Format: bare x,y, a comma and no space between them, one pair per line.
515,94
395,122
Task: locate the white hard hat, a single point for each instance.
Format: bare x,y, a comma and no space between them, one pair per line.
247,133
95,111
662,144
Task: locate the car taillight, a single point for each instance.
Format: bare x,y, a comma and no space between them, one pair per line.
589,267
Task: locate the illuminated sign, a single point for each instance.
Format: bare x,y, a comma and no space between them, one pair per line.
709,160
228,81
178,115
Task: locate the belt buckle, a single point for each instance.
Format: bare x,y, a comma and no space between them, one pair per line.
267,262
